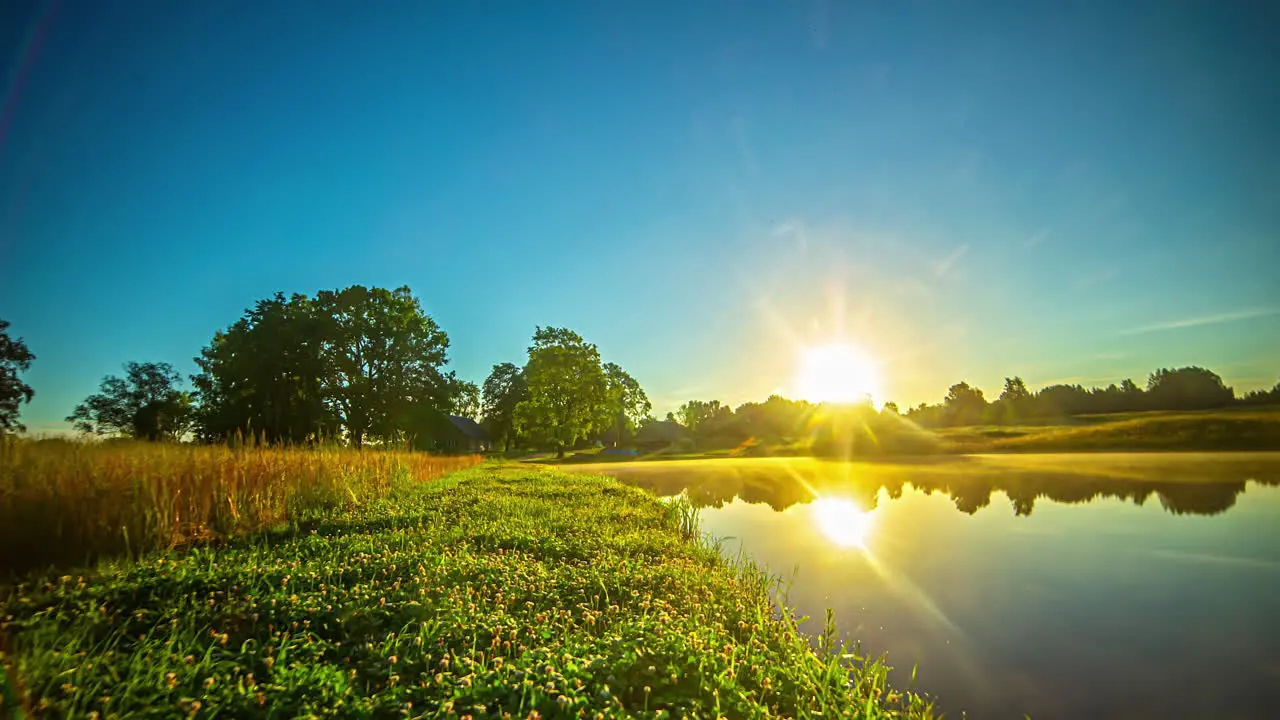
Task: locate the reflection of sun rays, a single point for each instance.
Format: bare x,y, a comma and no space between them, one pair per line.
843,522
917,600
847,525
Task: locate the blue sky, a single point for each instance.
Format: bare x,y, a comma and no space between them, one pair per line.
1070,192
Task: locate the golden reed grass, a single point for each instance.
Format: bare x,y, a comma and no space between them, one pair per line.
64,502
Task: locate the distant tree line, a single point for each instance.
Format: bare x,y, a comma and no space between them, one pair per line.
709,424
362,365
1187,388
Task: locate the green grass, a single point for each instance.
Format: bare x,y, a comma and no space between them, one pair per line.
497,592
1197,431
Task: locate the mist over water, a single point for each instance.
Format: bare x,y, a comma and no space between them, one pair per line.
1102,586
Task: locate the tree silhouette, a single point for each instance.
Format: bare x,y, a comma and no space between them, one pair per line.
261,376
15,358
504,389
964,404
1188,388
145,404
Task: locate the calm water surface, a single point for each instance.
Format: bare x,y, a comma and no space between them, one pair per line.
1102,586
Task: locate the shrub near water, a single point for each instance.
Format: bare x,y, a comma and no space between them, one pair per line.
500,593
65,502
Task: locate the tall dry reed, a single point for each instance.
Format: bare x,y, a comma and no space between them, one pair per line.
64,502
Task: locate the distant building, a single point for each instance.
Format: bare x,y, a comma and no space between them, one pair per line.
470,436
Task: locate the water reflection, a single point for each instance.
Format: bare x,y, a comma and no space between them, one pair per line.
843,522
1024,584
1181,485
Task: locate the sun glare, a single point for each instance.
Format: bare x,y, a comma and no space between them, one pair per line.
839,373
842,521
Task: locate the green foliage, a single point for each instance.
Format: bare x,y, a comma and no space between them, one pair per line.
568,392
1188,388
381,352
262,375
496,592
504,390
466,399
357,360
710,422
777,418
15,358
627,402
145,404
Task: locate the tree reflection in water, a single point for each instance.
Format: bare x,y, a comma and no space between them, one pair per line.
1202,490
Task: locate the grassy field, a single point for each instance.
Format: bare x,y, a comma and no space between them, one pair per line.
64,502
1232,429
497,592
1162,431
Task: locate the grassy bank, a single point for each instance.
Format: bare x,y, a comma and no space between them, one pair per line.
1232,429
498,592
71,502
1199,431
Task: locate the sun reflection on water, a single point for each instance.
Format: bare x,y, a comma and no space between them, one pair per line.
843,522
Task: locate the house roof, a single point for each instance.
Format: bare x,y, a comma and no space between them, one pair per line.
469,427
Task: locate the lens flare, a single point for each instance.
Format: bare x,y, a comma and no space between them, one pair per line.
838,373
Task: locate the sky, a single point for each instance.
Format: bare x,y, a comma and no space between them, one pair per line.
1069,192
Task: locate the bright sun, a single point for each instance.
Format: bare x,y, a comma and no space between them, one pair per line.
839,373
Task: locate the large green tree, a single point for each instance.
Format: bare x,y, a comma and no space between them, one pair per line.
381,355
364,362
145,404
627,403
568,392
261,376
964,404
15,358
504,389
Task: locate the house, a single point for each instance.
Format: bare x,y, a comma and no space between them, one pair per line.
470,436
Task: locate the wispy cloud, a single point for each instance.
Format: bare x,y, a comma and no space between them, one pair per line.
1226,317
1036,239
947,263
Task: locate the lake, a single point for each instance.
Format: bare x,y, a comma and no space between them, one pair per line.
1086,585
